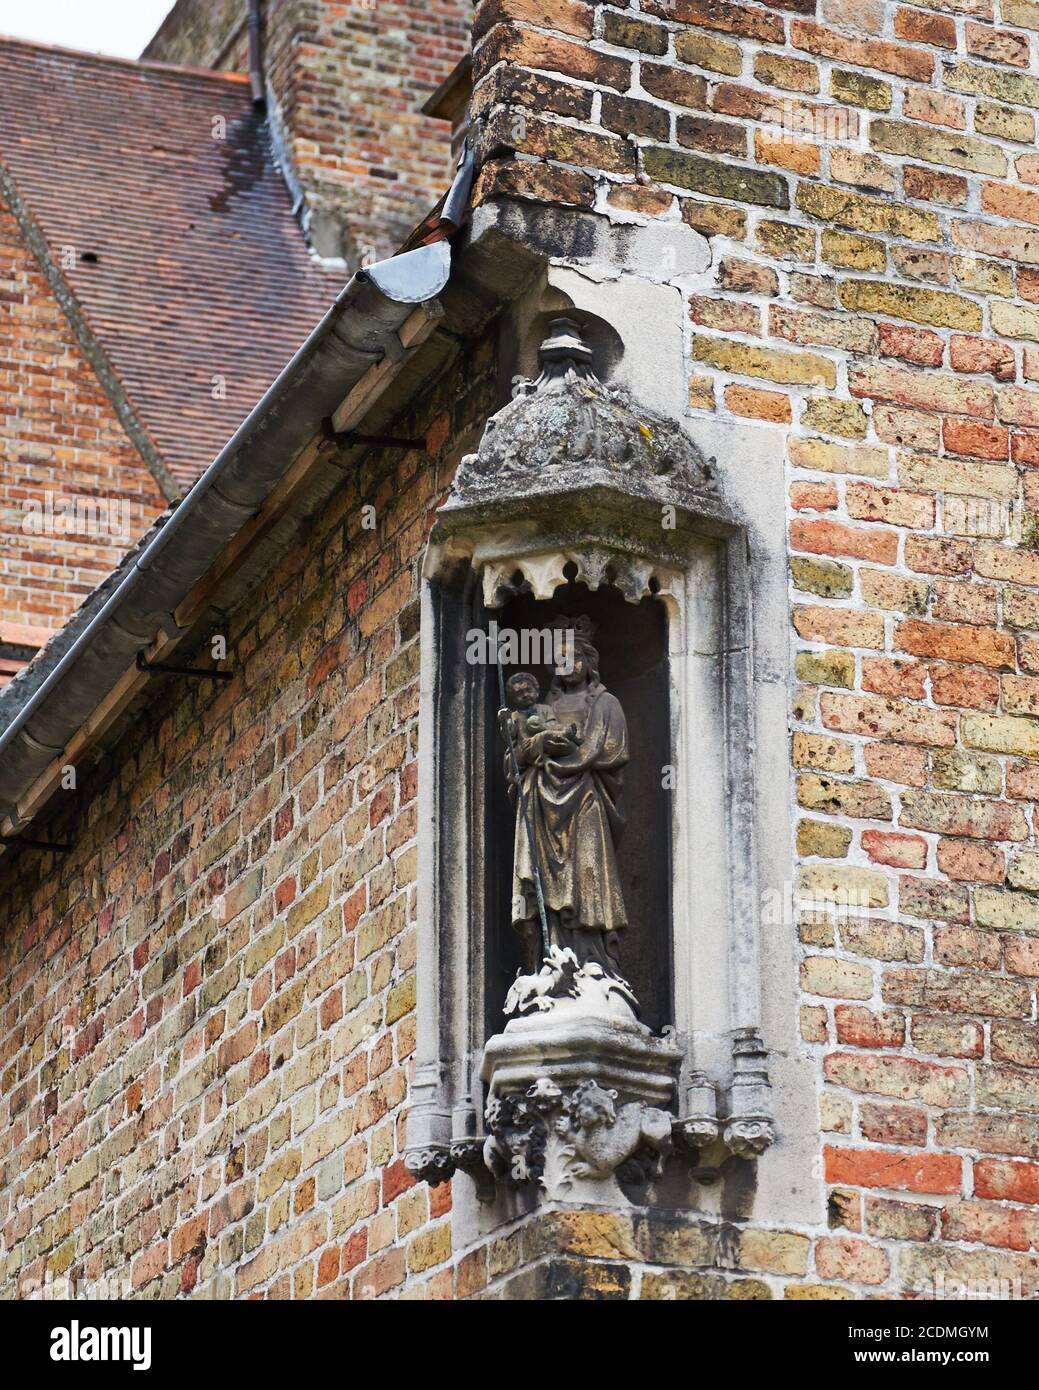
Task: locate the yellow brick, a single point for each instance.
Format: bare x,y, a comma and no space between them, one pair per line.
994,733
703,51
1024,13
1015,912
1004,122
823,752
1015,320
745,359
936,307
826,668
865,461
785,241
855,252
432,1247
401,999
823,839
864,214
829,416
1024,871
774,1252
955,151
984,277
835,1113
836,979
995,480
843,885
816,1293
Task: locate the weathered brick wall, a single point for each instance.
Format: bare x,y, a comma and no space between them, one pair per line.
206,1008
204,34
60,440
349,82
866,174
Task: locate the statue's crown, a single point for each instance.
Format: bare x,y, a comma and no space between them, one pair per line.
582,626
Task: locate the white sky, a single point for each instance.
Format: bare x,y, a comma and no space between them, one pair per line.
122,27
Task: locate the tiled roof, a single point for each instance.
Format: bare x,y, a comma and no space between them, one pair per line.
18,645
188,264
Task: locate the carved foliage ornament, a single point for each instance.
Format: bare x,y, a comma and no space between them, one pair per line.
560,1140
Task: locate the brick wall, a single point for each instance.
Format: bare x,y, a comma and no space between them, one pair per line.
866,174
206,1008
349,82
60,440
205,34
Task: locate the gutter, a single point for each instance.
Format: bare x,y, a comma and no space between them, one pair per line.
375,324
256,83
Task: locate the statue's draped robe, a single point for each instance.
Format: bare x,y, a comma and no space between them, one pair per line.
571,801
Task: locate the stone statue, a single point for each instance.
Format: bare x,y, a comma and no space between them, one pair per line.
564,761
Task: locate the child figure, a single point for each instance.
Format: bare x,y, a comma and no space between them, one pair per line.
536,732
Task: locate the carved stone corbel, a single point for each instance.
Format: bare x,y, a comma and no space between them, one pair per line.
699,1126
573,1145
433,1164
749,1130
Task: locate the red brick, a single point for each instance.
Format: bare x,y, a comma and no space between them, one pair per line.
938,556
957,642
898,719
976,440
896,506
816,497
964,688
1006,1181
894,762
918,26
961,859
898,851
991,1225
903,1078
961,815
757,404
923,390
1021,954
856,1261
968,354
898,1172
917,345
860,1027
997,45
746,20
895,58
831,538
893,1124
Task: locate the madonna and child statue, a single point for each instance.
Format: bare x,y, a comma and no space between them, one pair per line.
564,763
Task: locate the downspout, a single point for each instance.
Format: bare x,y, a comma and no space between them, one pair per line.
256,57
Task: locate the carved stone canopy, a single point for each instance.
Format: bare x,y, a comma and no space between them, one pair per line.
567,429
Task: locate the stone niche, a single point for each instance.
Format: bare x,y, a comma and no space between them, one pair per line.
540,1073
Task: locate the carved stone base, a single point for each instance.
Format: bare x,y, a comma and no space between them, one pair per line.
574,1103
577,1099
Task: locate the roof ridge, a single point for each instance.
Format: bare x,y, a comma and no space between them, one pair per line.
146,65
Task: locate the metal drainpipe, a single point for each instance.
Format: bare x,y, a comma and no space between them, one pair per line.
256,56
